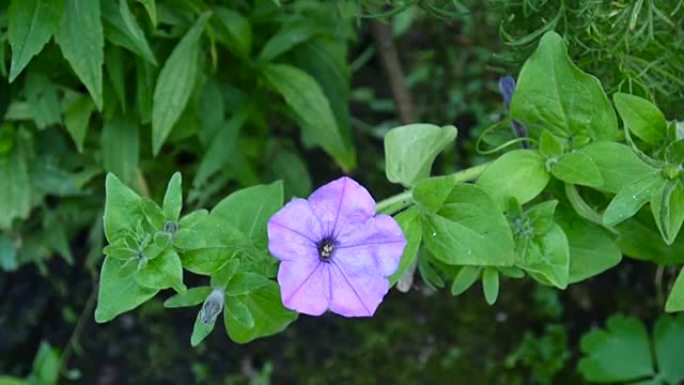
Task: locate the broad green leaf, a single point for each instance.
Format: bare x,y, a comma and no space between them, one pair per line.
200,330
541,216
31,24
639,239
547,257
122,29
173,198
249,210
674,153
162,272
119,292
641,117
191,297
667,206
592,251
144,89
175,84
577,168
83,51
464,279
490,284
77,117
120,143
15,195
237,310
675,302
631,198
46,365
409,221
519,174
234,31
619,165
122,211
306,98
244,283
266,309
290,35
668,335
619,353
410,151
549,145
462,225
114,64
41,95
552,93
221,278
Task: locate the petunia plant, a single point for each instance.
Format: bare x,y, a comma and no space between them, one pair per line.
573,188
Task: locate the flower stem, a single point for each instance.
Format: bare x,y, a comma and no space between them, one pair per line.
403,200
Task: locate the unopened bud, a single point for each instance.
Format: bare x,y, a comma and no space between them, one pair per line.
212,307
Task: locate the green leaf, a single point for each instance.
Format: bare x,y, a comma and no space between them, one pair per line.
122,211
244,283
553,93
667,205
667,338
221,278
31,24
175,84
547,257
151,8
549,145
15,196
619,165
675,302
306,98
234,31
8,254
290,35
237,310
114,64
428,273
577,168
120,142
642,241
541,216
464,279
42,99
631,198
490,284
119,292
162,272
191,297
519,174
641,117
173,198
46,365
409,221
249,210
620,353
200,330
122,29
6,380
462,225
77,117
266,309
83,51
592,251
410,151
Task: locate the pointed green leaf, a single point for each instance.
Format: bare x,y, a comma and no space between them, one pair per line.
191,297
410,151
641,117
200,330
631,198
290,35
409,221
84,51
15,196
31,24
306,98
667,206
553,93
162,272
577,168
122,211
119,292
173,198
122,29
175,84
46,365
151,8
547,257
668,335
236,310
619,165
675,302
234,31
490,284
464,279
77,117
549,145
245,282
120,142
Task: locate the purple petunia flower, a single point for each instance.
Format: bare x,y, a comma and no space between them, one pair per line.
335,253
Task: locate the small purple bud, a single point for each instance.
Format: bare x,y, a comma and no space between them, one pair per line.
507,88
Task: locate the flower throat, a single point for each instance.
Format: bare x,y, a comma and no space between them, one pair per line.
326,247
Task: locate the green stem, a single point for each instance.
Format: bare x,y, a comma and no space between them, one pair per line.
403,200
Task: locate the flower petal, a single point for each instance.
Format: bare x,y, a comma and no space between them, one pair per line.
305,287
378,242
340,204
293,232
355,294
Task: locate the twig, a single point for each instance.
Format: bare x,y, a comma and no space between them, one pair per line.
390,61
